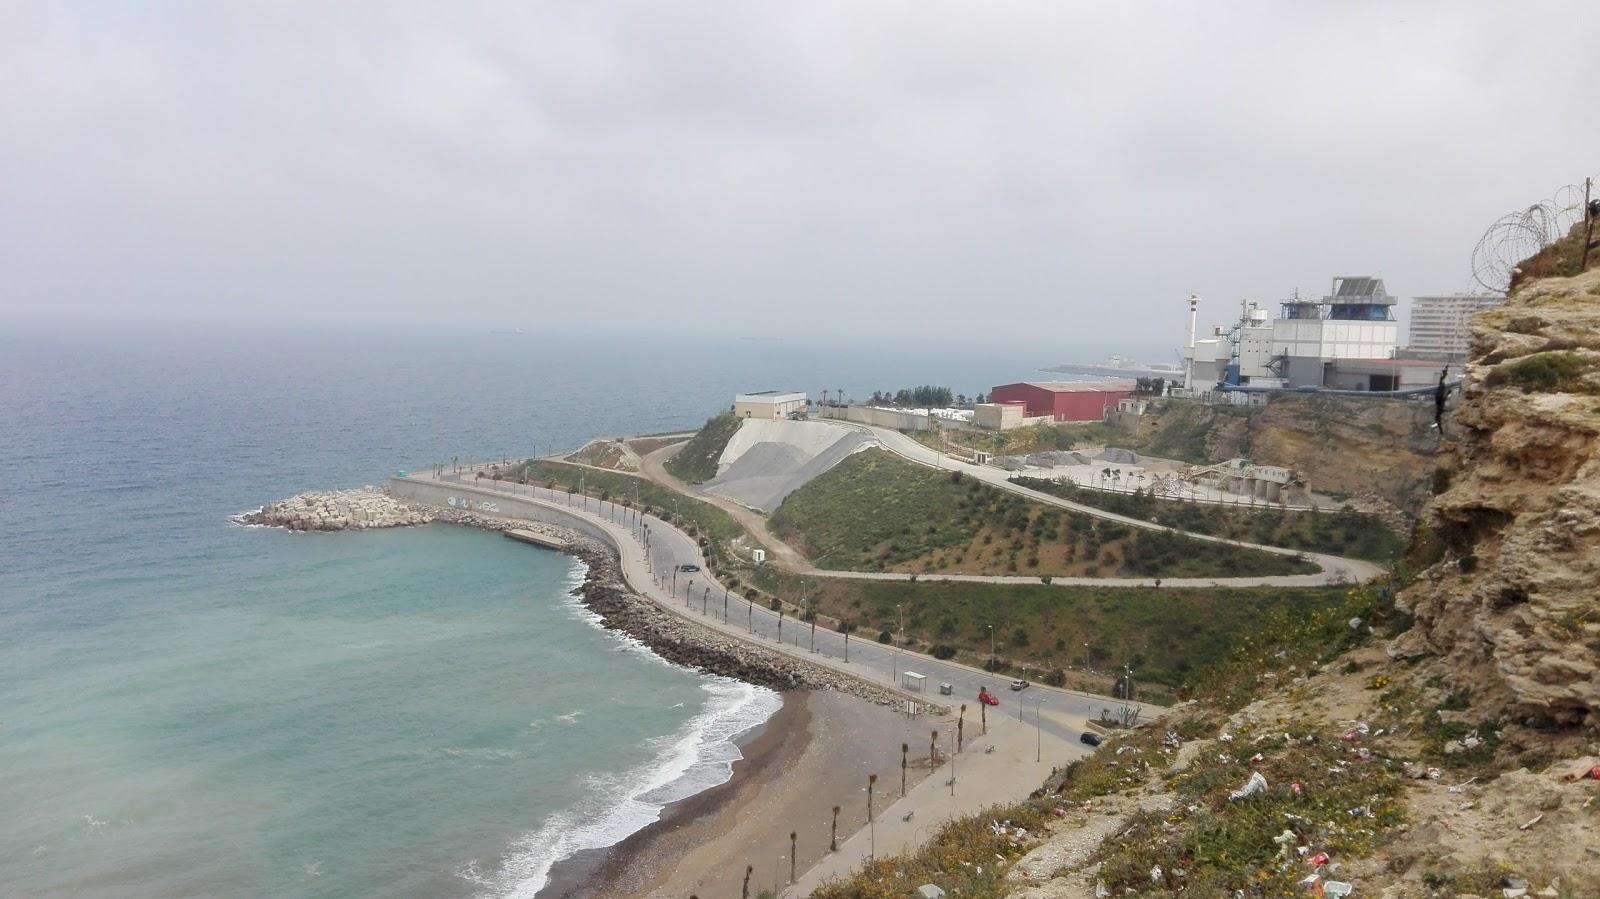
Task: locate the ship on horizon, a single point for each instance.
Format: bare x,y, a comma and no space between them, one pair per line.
1118,366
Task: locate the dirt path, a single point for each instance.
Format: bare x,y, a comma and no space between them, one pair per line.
653,466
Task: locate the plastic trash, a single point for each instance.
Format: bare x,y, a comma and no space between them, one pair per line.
1311,884
1256,784
929,891
1295,788
1155,874
1337,888
1318,860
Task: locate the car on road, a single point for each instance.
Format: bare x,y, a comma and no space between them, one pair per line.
1090,738
688,567
1020,684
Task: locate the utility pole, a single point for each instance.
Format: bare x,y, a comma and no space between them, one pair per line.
1588,225
1038,730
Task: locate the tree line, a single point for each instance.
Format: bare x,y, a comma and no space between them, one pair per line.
922,397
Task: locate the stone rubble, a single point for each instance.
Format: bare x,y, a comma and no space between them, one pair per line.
339,510
687,643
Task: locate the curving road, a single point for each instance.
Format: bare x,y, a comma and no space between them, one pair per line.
1335,569
652,552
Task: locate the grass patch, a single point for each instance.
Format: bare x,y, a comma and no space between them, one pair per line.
696,463
1209,846
966,857
875,512
714,528
1345,532
1165,634
1551,372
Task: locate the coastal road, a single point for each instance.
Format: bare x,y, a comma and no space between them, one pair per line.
1335,569
652,551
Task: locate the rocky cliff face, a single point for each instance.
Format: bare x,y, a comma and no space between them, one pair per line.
1380,450
1515,599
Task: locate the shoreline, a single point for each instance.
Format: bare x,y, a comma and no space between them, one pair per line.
815,753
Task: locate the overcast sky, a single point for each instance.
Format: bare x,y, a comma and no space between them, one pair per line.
756,168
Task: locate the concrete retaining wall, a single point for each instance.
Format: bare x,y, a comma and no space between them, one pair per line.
882,418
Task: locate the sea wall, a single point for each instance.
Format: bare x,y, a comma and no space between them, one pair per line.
442,497
606,593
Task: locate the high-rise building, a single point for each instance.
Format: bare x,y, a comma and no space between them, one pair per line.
1441,326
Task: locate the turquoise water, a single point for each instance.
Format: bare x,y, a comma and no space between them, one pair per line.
193,708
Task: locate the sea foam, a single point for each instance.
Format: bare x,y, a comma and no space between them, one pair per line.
699,756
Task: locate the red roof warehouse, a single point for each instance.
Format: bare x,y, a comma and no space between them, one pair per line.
1063,400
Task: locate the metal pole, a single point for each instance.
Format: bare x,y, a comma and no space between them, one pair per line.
1038,730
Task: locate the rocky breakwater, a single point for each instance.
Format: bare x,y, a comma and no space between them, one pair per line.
687,643
340,510
1518,512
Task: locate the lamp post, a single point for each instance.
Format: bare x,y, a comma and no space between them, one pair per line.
991,648
1038,730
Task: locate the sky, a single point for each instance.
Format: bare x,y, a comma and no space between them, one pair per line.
930,168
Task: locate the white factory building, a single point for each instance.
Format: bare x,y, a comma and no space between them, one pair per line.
1302,345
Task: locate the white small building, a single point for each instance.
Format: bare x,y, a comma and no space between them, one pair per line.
768,404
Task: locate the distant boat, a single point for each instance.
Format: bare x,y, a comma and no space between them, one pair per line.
512,331
1117,366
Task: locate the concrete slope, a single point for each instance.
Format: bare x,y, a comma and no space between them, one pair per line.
765,461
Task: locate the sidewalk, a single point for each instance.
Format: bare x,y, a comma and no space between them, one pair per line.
983,779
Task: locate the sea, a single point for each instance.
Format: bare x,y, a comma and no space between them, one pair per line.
193,707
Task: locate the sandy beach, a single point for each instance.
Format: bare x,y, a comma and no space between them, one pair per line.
814,754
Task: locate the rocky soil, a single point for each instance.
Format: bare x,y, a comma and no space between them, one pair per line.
1378,452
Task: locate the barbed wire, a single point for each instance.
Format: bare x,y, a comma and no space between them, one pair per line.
1517,235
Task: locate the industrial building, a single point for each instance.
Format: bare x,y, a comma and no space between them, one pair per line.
999,416
1303,345
769,404
1062,400
1441,326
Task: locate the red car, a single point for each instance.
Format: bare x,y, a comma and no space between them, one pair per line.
987,698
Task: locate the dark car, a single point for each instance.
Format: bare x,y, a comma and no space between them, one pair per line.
688,566
1090,738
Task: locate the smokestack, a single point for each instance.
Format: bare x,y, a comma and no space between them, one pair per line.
1194,317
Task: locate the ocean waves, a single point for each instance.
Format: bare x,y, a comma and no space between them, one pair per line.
699,756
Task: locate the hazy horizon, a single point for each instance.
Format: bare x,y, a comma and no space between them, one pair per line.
837,170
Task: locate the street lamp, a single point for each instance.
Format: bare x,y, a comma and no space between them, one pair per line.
991,647
1038,730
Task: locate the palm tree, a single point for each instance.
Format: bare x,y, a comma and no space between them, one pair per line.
792,837
833,833
744,893
983,713
932,742
904,748
872,781
961,726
